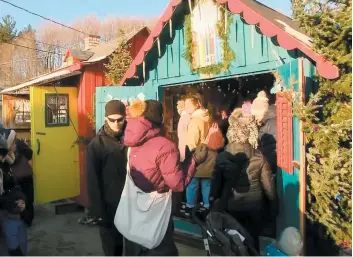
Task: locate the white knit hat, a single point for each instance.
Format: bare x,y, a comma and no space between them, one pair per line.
260,106
291,242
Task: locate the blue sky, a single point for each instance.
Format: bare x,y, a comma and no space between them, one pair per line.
66,11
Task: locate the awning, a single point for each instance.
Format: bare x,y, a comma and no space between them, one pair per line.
66,72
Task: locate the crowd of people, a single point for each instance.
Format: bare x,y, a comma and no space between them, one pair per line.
133,169
16,193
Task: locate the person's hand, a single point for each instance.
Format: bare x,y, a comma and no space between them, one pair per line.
21,204
200,154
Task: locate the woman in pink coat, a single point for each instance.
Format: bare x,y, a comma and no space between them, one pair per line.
155,164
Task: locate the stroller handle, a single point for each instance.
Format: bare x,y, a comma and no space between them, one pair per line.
194,216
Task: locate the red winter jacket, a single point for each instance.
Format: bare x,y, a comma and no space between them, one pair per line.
155,160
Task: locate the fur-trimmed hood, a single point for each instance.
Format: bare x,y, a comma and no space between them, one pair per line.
242,129
152,110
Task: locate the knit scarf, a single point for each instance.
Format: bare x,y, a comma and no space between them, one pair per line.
116,135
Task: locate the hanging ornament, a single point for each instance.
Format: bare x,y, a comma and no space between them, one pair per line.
159,47
315,128
190,7
171,28
144,71
339,196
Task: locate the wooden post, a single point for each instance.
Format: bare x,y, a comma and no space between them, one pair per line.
302,170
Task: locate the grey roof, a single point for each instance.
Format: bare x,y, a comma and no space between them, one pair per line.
80,54
103,50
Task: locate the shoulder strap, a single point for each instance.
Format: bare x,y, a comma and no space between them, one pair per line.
128,161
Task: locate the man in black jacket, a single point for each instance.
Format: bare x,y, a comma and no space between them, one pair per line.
106,172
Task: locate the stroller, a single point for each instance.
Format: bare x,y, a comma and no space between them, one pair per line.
226,232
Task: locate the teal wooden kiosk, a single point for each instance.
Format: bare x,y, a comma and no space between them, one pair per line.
201,43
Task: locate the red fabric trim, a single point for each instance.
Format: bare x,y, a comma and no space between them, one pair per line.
285,40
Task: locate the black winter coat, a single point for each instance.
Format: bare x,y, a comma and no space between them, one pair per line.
23,149
242,179
12,191
106,172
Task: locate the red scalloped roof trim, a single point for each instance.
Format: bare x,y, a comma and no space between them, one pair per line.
268,28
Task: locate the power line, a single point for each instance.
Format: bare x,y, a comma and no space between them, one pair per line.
40,42
45,18
32,48
21,60
36,41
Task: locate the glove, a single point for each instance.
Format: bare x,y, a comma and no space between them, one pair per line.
200,154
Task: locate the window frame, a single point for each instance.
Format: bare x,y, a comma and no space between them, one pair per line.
47,125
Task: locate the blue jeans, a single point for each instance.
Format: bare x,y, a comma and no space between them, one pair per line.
15,232
193,189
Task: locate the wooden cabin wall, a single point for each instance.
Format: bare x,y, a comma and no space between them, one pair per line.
23,130
9,112
137,42
92,77
128,93
255,53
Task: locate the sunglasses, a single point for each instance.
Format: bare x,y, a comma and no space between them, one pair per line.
120,120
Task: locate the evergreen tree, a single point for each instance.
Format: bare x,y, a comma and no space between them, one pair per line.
120,60
27,30
7,29
328,117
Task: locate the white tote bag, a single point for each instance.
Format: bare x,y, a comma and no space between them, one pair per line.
142,217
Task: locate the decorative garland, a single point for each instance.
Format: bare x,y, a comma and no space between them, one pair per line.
228,53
